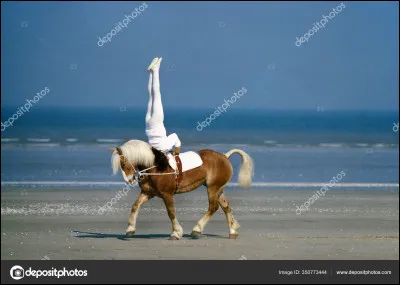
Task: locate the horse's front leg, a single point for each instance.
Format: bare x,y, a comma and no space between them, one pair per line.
177,231
143,198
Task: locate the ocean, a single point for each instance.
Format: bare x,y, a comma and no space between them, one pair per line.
290,149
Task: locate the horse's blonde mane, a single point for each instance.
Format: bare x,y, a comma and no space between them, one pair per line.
137,152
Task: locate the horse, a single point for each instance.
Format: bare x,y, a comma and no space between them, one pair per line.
143,164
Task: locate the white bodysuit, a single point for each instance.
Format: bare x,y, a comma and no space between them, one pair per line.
155,129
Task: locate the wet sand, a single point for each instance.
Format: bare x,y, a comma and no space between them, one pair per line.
65,224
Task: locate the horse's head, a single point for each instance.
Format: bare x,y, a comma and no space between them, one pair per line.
132,156
127,168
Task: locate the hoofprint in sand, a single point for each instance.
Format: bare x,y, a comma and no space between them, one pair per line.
65,224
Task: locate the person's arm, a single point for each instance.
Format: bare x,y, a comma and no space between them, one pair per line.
177,145
177,150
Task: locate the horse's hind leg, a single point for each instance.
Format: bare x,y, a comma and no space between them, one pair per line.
213,194
232,223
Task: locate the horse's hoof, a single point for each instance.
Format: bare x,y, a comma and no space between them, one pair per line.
130,234
233,236
195,233
173,238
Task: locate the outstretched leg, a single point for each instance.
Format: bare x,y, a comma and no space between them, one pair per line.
157,115
212,208
143,198
150,104
177,231
155,121
232,223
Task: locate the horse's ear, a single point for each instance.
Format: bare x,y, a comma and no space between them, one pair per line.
119,150
111,150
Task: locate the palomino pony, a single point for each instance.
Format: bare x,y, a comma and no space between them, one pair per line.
149,167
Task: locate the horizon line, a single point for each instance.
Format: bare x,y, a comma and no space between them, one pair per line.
206,108
254,184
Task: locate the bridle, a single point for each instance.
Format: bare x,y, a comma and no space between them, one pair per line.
140,174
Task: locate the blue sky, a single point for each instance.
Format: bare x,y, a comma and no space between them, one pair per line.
210,50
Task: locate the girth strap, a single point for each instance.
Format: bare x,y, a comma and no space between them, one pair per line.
179,170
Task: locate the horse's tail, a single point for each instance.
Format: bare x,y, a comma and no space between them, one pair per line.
115,162
247,168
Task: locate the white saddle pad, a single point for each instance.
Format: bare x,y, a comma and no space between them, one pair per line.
190,160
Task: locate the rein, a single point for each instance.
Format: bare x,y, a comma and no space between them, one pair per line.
143,172
140,173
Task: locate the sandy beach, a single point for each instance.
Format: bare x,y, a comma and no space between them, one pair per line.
64,224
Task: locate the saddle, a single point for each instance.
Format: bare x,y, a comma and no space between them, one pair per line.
183,162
